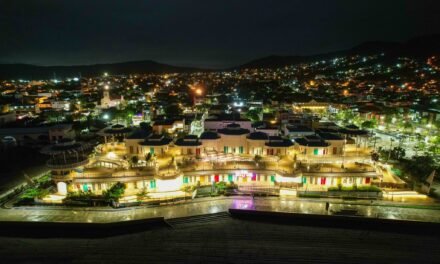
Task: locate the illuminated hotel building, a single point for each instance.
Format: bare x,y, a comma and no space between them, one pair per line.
157,163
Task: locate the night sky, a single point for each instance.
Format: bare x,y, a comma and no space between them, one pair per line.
200,33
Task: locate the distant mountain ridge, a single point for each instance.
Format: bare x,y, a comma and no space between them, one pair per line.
418,47
28,71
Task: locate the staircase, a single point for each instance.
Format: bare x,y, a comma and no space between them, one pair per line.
196,220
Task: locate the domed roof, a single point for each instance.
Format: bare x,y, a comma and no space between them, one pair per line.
258,136
233,129
64,145
209,135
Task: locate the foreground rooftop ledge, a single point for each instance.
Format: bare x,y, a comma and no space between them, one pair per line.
340,221
78,229
88,229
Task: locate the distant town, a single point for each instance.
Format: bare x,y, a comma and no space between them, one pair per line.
361,126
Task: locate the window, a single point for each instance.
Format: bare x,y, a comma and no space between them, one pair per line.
185,179
151,150
316,151
153,184
230,177
225,149
272,178
240,149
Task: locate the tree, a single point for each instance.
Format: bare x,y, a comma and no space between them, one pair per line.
115,192
145,126
253,114
419,167
346,116
374,156
369,124
172,110
89,106
134,160
397,153
435,148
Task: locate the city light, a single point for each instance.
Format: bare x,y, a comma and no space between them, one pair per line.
248,113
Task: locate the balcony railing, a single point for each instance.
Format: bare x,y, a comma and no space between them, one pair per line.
66,164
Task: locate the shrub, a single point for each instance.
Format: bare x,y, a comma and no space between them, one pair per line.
115,192
140,195
33,193
80,195
188,188
231,186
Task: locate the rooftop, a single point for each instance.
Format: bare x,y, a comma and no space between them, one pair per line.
258,136
311,141
139,134
209,135
233,129
156,140
299,129
330,136
190,140
277,141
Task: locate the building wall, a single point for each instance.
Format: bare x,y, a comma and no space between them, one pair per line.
189,151
311,151
336,147
335,181
133,147
57,133
156,150
210,144
276,151
234,143
256,147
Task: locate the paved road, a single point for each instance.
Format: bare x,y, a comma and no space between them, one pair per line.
379,209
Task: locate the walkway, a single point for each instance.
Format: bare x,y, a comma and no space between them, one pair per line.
380,209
